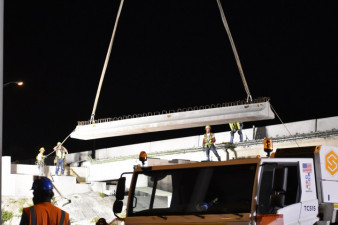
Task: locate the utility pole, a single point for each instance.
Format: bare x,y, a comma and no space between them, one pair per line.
2,5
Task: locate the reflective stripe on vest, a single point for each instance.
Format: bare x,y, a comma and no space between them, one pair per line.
208,140
62,217
33,216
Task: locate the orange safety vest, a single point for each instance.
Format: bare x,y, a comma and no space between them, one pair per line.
46,213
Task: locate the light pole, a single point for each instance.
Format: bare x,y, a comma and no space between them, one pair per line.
1,88
19,83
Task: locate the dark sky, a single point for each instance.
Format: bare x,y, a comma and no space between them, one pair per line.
167,54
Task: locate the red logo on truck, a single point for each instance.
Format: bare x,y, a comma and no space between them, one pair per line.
331,162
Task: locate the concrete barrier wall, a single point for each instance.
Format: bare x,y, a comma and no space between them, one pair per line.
303,127
67,185
82,172
15,184
77,157
25,169
326,124
6,179
17,179
33,170
22,185
110,170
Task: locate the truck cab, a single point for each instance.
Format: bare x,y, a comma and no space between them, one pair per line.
242,191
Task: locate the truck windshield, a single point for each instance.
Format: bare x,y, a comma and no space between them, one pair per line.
203,190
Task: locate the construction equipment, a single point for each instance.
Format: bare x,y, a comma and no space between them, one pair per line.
251,111
298,186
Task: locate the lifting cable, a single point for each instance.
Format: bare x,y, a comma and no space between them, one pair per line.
246,87
273,109
92,118
233,46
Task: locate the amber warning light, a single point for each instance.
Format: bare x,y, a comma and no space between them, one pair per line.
143,157
268,146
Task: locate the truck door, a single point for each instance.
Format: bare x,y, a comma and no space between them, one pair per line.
279,189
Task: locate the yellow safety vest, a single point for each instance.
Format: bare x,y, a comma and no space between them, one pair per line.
60,153
235,126
208,140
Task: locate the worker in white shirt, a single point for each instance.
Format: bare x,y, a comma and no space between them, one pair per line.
40,161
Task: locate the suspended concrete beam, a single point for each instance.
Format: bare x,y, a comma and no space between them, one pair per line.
174,121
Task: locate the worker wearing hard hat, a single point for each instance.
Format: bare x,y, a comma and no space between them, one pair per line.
43,212
60,155
234,128
209,143
40,161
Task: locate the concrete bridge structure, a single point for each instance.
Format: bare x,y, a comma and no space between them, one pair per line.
86,174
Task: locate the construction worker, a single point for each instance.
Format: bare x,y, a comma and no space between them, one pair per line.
60,154
208,143
43,212
234,128
40,161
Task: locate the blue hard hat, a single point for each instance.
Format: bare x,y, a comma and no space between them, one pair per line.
42,183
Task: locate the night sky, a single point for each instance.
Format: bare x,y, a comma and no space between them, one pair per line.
167,54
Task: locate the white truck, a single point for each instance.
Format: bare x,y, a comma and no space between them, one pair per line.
297,186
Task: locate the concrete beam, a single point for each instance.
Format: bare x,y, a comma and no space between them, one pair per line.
178,120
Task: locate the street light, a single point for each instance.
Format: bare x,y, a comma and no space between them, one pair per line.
19,83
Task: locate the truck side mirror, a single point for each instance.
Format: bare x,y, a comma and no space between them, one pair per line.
120,189
117,207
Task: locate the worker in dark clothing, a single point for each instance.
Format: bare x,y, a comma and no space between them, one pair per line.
234,128
43,212
208,143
